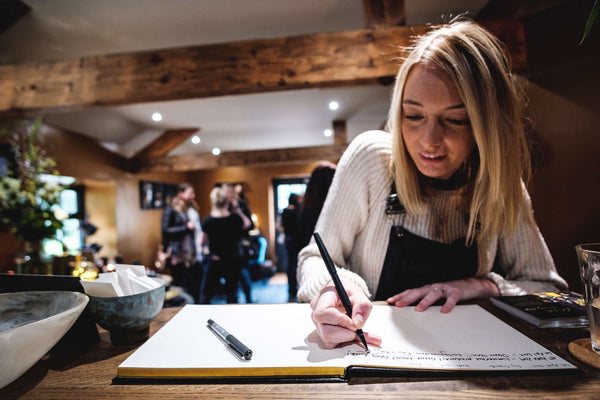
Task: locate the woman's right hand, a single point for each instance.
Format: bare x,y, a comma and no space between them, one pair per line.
333,324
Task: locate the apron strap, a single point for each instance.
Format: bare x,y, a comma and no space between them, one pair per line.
412,261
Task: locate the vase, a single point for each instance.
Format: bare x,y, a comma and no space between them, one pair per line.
33,259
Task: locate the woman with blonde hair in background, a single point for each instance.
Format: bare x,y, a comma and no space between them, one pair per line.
222,231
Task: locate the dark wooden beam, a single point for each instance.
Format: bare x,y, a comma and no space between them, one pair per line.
272,157
162,145
166,142
307,61
10,12
340,135
383,13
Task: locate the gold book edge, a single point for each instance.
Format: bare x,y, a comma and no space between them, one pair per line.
140,372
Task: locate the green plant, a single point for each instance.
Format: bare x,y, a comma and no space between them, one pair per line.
27,203
593,18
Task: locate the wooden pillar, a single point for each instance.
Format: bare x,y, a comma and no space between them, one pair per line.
381,13
339,132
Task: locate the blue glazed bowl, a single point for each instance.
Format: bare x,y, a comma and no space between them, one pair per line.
128,318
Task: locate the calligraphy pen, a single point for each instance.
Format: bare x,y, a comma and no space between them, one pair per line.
338,284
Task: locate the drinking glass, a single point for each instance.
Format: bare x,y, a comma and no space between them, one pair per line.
589,271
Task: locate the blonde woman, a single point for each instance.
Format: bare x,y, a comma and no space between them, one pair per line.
222,231
435,210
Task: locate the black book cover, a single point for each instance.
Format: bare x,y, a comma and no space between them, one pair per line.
546,310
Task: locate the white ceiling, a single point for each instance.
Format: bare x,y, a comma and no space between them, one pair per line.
66,29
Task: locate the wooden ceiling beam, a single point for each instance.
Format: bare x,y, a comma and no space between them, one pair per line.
383,13
307,61
263,158
10,12
166,142
162,145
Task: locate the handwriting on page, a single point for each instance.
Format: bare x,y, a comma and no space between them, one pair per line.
541,359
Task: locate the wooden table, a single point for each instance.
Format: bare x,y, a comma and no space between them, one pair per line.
88,374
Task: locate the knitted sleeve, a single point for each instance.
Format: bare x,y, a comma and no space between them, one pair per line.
345,213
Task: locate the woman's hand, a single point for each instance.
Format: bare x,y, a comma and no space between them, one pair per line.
333,324
453,292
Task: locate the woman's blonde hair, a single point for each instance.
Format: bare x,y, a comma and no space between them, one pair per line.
218,198
474,59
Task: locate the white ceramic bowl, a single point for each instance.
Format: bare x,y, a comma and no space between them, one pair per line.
31,323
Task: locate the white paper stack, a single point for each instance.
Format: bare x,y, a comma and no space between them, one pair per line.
126,280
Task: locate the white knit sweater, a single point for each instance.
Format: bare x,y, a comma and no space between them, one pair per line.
355,229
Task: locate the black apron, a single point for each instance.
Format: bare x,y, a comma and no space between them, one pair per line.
412,261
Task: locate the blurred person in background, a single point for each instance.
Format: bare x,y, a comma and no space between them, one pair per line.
237,201
223,230
289,218
181,231
312,203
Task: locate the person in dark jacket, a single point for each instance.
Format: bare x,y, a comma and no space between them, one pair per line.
314,197
289,218
180,231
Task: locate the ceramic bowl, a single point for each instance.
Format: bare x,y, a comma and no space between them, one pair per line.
31,323
128,318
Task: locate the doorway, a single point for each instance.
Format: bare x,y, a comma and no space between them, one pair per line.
282,188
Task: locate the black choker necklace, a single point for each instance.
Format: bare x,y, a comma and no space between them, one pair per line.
456,181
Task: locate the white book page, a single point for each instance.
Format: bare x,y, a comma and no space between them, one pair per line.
283,336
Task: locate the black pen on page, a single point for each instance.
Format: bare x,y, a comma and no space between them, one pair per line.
238,348
338,284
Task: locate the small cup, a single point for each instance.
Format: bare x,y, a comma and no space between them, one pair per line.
589,271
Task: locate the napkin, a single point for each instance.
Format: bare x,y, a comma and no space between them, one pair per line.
125,281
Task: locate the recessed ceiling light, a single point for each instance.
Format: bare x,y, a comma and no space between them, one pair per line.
156,117
195,139
328,132
334,105
216,151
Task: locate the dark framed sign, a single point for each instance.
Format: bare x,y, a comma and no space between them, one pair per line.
156,194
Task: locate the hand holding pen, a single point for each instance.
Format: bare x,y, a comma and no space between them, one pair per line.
341,310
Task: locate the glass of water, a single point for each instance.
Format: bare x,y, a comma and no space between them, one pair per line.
589,270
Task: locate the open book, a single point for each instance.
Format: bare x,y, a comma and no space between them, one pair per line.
285,345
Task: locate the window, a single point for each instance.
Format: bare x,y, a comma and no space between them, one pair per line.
282,188
71,203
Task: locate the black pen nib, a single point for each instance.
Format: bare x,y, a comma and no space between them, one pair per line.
361,335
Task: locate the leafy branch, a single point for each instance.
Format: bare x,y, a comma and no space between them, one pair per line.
26,201
593,18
